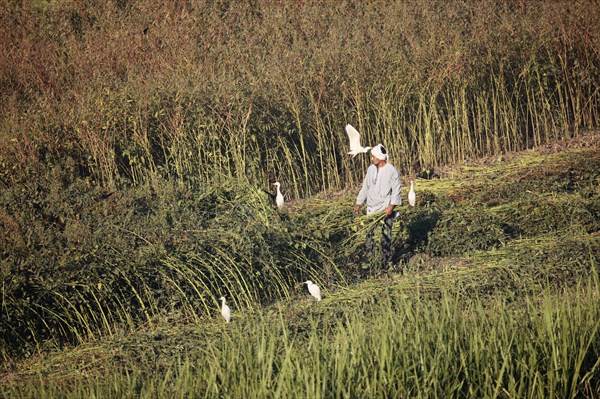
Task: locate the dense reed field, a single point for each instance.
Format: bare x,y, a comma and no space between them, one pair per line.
126,91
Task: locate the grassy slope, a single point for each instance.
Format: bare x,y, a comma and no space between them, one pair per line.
174,357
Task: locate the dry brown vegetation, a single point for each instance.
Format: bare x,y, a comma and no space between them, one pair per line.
130,91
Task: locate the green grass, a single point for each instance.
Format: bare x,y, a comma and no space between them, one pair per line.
495,292
378,339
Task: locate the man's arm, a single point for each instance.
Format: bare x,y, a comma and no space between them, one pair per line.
395,198
395,185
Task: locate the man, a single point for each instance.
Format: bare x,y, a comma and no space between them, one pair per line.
381,190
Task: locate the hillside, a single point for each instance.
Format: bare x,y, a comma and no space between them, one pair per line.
496,284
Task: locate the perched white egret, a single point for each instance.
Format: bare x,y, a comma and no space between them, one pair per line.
313,289
412,197
279,197
225,311
354,136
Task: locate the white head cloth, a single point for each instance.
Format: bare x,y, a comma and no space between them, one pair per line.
379,152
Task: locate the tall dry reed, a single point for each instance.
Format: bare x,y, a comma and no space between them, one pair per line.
130,90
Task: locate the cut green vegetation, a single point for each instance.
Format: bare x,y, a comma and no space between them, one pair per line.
486,299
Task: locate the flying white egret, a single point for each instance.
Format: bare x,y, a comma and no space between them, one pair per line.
279,197
354,136
225,311
412,197
313,289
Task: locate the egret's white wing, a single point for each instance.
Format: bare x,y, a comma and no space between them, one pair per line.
279,196
315,291
354,137
279,199
412,197
225,311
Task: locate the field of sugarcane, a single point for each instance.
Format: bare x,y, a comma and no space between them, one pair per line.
138,142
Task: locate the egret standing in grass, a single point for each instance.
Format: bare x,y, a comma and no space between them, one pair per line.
313,289
354,136
225,311
279,196
412,197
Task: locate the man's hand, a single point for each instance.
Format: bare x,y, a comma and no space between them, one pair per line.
389,211
356,209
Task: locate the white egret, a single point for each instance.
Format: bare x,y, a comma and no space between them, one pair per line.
225,311
412,197
279,196
313,289
354,136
